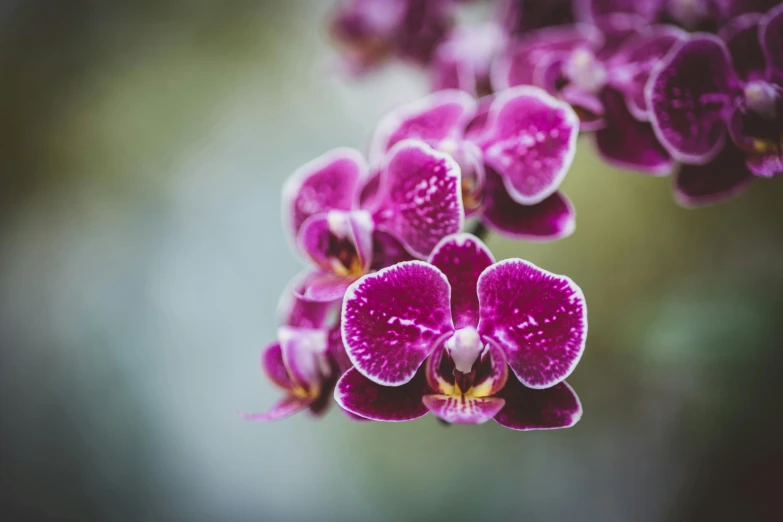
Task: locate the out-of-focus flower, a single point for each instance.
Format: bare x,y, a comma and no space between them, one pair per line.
372,31
711,89
417,202
468,318
601,71
692,15
306,360
513,150
463,60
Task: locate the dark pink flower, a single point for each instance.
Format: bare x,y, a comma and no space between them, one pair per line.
417,201
716,101
438,337
513,150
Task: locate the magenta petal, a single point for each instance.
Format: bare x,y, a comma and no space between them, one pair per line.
530,140
553,218
328,182
361,396
629,143
690,97
539,319
387,251
529,409
285,407
434,118
461,409
274,368
323,287
771,36
393,319
721,179
742,40
304,354
294,309
419,199
463,60
521,63
631,69
766,165
462,258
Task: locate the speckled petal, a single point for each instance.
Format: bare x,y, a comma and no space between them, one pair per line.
742,39
394,318
462,258
554,218
419,199
690,97
721,179
771,36
528,409
434,118
530,140
636,59
629,143
284,408
328,182
539,319
274,367
461,409
361,396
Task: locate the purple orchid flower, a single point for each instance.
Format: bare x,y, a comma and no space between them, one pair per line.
710,89
513,150
372,31
600,70
463,60
440,337
417,202
306,360
692,15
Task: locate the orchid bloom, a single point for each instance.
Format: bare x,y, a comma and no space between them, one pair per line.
692,15
601,71
417,202
514,150
717,106
306,360
463,59
440,337
372,31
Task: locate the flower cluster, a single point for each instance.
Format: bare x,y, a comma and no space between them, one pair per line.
690,87
394,281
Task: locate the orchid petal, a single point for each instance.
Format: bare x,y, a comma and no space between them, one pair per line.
302,351
419,199
771,37
742,40
361,396
690,97
338,241
328,182
393,319
721,179
274,367
539,319
462,258
284,408
432,119
553,218
529,409
629,143
530,140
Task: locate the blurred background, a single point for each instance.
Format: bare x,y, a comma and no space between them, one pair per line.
144,145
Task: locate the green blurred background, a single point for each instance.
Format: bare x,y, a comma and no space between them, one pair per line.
144,145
